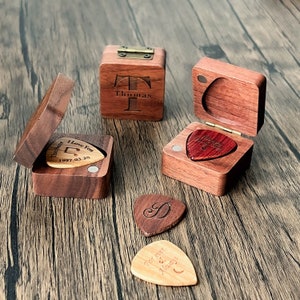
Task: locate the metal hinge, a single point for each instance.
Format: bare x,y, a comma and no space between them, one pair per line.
223,128
136,52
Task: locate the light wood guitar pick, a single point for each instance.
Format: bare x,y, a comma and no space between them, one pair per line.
208,144
71,153
155,213
163,263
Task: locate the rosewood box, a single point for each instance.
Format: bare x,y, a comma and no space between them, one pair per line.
212,155
88,181
132,83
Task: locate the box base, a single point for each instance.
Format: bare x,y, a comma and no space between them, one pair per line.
90,181
215,176
150,114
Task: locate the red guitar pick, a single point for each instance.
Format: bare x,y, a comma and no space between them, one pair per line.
155,213
204,144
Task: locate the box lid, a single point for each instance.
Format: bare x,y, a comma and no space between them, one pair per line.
229,96
44,121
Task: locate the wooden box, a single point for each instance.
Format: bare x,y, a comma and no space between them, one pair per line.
231,101
89,181
132,83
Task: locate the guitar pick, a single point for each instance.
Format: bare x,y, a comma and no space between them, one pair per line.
71,153
207,144
155,213
163,263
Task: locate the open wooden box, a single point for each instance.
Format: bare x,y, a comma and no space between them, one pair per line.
230,100
89,181
132,83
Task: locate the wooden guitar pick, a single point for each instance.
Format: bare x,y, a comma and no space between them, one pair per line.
205,144
155,213
163,263
68,152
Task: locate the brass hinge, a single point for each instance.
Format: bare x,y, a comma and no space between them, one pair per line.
223,128
136,52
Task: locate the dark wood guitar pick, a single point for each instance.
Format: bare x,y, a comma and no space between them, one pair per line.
156,213
204,144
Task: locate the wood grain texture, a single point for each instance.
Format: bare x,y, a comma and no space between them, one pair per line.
44,121
132,88
244,245
228,95
77,182
216,175
155,213
67,152
208,144
163,263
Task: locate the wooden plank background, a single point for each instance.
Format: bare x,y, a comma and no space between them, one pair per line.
244,245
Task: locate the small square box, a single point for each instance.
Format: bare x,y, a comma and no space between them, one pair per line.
89,181
231,101
132,83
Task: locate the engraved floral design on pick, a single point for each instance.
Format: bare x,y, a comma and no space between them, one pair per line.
164,263
205,144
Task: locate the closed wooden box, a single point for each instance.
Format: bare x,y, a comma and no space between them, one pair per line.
230,100
89,181
132,83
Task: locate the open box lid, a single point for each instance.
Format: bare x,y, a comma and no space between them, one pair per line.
44,121
229,96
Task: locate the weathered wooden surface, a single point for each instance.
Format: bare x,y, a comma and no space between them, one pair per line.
244,245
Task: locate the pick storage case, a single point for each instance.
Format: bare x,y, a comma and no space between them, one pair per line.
230,100
90,181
